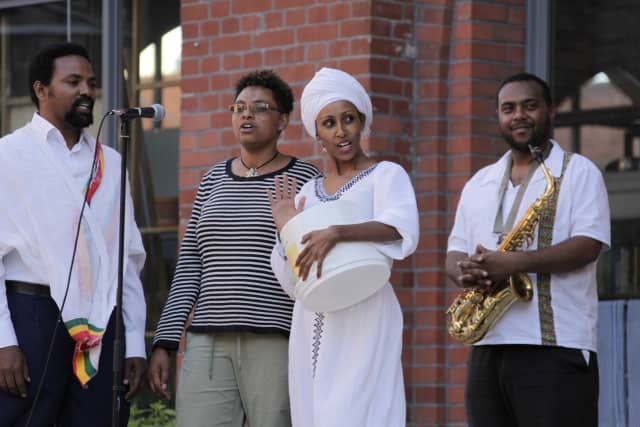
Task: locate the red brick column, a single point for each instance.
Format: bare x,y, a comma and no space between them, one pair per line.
432,68
487,45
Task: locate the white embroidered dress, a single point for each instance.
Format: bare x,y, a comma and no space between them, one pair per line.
345,366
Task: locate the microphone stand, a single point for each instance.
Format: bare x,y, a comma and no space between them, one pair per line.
118,388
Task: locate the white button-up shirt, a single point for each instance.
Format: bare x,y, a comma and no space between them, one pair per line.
77,160
582,210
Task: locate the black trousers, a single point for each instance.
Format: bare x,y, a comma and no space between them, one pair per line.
531,386
63,402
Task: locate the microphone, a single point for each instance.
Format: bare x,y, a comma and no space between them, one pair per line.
155,112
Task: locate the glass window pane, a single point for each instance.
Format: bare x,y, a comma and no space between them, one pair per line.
30,28
602,144
596,83
171,54
148,64
171,102
25,31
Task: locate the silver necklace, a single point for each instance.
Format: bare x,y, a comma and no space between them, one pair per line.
254,171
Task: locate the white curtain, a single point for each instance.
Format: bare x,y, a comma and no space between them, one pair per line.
611,406
619,354
633,361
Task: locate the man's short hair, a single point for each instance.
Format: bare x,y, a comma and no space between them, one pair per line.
270,80
42,65
528,77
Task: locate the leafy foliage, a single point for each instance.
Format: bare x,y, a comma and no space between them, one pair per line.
157,415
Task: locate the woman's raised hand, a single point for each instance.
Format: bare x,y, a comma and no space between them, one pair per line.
282,198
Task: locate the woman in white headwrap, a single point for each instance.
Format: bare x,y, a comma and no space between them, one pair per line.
345,366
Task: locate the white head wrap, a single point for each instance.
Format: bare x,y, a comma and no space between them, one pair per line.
330,85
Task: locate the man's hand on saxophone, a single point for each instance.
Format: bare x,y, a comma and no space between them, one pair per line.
494,266
487,267
466,272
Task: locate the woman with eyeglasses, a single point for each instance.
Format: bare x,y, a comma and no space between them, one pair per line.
345,365
235,363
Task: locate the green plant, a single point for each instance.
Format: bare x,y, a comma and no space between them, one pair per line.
156,415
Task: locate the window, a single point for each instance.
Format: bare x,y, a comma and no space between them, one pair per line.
596,81
27,29
156,45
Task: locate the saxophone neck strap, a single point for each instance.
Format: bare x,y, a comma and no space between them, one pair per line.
500,226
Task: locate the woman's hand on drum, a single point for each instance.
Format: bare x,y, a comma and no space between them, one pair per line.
317,243
282,199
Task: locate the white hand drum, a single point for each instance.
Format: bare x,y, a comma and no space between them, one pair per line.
351,272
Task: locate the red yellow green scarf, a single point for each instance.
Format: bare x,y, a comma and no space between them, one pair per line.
85,335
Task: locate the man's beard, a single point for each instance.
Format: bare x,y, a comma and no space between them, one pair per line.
80,119
538,139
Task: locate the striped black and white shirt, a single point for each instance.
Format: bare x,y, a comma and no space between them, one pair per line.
224,268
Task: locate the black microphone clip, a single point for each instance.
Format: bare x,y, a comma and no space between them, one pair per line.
155,112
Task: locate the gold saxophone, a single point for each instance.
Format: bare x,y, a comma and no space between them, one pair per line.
476,310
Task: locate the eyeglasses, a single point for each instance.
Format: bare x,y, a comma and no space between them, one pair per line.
256,108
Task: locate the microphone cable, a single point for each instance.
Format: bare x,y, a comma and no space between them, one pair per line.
66,292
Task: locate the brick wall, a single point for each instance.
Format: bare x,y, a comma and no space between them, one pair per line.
432,68
487,45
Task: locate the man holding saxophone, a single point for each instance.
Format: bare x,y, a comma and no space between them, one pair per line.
527,234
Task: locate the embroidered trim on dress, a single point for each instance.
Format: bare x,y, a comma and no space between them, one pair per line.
543,281
322,195
317,336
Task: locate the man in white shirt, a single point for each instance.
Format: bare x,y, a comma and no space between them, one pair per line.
58,275
537,365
